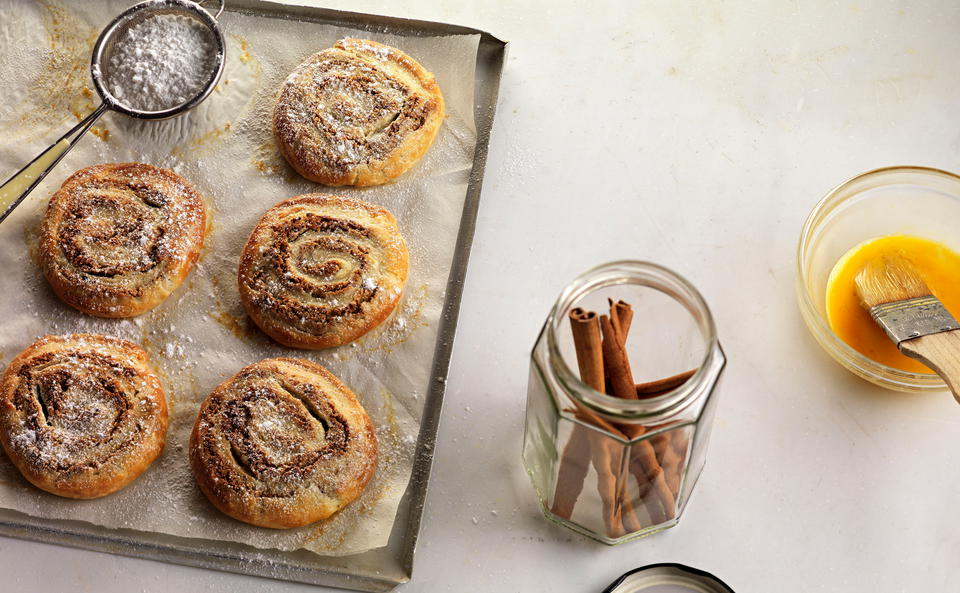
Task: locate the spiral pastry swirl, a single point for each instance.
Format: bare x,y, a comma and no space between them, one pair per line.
359,113
81,415
282,443
319,271
117,239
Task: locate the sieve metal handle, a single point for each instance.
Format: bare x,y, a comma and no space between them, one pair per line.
221,3
18,187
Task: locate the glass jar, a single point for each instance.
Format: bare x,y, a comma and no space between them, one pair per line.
619,469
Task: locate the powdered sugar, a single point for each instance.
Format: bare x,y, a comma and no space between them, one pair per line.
382,52
161,63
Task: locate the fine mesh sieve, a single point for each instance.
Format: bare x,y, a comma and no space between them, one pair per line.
15,189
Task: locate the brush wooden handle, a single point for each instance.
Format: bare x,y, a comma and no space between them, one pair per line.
940,352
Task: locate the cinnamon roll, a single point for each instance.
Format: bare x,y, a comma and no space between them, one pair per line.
281,444
320,271
359,113
81,415
117,239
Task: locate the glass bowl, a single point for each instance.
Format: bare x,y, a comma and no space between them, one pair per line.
918,201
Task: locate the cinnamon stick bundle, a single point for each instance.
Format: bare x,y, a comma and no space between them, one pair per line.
655,464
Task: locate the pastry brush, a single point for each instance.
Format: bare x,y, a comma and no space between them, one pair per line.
900,302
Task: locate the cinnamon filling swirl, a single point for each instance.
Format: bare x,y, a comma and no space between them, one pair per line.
113,235
325,268
283,443
75,408
82,415
277,436
317,271
359,113
117,239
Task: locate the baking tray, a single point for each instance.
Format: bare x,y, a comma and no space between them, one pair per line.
379,569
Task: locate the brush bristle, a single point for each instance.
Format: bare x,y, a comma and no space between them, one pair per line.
888,279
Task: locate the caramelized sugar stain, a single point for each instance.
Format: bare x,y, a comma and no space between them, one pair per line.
240,328
239,325
320,530
245,56
268,160
202,143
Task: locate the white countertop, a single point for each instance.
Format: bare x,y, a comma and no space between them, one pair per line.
697,135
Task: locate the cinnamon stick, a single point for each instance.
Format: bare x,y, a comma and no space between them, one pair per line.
574,464
606,462
644,459
679,443
615,363
670,453
586,341
614,317
579,450
669,460
647,468
618,374
624,314
585,444
661,386
621,315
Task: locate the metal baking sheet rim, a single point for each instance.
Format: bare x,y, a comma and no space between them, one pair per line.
376,570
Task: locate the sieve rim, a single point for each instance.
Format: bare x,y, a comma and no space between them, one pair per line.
108,32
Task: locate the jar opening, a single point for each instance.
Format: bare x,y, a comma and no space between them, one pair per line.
672,332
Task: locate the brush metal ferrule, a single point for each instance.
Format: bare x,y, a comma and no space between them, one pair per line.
913,318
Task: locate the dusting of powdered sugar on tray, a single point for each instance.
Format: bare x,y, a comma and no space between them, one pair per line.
161,63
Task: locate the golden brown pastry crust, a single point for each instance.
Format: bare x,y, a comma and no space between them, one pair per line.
319,271
359,113
281,444
118,238
82,415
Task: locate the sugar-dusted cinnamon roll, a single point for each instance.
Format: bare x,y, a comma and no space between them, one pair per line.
319,270
81,415
281,444
117,239
359,113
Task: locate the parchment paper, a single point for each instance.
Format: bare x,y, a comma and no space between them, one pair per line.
200,336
